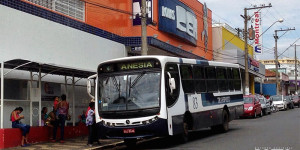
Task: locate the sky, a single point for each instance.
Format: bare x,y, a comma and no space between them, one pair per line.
229,12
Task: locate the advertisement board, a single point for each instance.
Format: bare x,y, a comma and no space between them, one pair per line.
178,19
256,23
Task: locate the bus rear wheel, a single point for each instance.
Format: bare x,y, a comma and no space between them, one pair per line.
185,134
130,143
224,127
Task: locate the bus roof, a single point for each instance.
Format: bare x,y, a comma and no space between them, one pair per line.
165,59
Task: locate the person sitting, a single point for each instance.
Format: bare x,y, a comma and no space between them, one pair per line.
44,116
15,119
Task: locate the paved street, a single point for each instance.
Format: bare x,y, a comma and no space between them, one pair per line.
278,131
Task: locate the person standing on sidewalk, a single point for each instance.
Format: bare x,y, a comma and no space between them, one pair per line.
90,122
63,111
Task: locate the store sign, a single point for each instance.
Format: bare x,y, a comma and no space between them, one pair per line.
136,11
256,23
176,18
254,64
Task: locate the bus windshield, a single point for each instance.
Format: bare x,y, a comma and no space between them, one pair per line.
139,90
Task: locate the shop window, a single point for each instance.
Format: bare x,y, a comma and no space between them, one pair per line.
187,78
72,8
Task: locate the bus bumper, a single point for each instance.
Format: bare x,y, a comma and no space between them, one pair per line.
157,128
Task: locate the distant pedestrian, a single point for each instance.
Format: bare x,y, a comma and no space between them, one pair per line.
63,112
16,123
44,116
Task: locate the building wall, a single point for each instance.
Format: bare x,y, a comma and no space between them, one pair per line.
115,16
232,41
25,36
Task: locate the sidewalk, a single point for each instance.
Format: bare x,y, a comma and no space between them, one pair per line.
79,143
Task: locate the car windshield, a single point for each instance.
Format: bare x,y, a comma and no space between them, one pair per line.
129,91
276,98
248,100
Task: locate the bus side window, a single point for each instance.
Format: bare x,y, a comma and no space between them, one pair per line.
222,79
211,79
230,79
171,97
187,78
237,80
199,79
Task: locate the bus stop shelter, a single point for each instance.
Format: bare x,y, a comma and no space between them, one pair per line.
40,70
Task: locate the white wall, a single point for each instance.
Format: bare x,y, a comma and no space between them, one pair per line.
29,37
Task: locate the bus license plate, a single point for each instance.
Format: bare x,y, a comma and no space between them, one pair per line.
128,131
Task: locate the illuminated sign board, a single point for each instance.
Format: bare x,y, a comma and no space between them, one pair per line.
178,19
136,65
256,22
127,66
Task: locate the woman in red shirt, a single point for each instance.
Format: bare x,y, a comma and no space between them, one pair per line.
15,119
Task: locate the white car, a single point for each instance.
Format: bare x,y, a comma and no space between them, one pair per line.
280,102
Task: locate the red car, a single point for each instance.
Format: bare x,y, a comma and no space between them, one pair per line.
252,106
296,100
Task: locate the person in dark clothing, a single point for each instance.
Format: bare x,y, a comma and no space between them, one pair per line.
63,111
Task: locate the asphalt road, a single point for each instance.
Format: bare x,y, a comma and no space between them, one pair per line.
278,131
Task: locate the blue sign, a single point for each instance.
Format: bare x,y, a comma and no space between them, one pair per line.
136,8
178,19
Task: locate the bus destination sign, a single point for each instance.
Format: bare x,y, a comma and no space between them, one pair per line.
136,65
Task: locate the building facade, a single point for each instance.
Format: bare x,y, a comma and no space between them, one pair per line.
83,33
286,66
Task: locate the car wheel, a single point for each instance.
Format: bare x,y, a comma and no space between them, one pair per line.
261,113
254,114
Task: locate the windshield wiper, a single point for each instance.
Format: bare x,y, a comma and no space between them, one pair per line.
137,79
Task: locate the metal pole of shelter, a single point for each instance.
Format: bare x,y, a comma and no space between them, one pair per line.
30,107
73,97
40,101
2,92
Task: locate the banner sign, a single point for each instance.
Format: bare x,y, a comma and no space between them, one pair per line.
136,8
257,45
178,19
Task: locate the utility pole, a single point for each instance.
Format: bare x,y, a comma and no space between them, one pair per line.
144,28
246,18
276,57
296,72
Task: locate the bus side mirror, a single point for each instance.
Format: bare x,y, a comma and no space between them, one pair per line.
89,86
172,83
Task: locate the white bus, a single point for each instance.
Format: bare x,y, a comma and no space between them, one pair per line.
159,96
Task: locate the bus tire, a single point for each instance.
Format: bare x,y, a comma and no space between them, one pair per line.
130,143
224,127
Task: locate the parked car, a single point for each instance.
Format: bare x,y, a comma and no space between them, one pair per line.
265,105
296,100
289,101
279,102
252,107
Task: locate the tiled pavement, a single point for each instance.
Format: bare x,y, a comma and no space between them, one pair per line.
79,143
